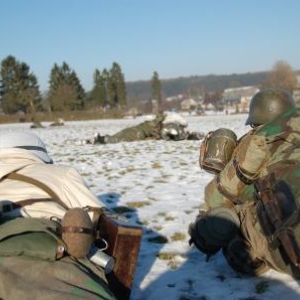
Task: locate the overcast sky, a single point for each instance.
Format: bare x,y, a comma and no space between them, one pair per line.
173,37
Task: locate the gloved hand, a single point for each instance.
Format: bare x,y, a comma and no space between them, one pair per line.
214,229
198,240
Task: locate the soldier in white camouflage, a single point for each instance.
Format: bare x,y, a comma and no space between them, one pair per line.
36,261
251,208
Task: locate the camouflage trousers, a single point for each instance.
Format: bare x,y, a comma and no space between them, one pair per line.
25,278
260,248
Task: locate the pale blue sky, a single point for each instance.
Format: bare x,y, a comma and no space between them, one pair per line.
173,37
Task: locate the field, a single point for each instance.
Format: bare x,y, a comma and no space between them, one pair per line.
159,185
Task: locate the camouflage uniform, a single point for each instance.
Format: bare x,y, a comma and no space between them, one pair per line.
24,278
42,190
155,129
254,156
259,153
146,130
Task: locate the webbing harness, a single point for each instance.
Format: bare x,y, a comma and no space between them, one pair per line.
41,185
53,198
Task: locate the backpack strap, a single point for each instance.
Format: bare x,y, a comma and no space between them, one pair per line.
39,184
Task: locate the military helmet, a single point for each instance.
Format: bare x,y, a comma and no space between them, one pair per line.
28,141
267,104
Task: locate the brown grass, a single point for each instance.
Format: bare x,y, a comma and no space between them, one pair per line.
67,116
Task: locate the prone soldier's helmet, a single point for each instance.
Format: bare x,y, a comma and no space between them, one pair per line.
267,104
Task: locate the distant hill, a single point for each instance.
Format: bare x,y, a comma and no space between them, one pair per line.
193,85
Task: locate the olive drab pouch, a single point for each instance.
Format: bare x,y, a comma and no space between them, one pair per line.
31,237
279,217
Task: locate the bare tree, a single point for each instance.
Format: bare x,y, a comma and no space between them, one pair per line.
282,76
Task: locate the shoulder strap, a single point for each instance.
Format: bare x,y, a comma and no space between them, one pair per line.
39,184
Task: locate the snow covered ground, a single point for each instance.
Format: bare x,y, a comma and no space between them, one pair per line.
159,185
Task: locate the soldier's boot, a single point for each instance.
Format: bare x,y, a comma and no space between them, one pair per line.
99,139
196,136
241,257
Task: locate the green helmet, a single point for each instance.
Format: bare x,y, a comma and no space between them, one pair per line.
267,104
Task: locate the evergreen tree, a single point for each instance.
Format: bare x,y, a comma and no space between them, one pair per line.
118,88
99,92
19,89
105,84
109,88
75,84
156,89
65,90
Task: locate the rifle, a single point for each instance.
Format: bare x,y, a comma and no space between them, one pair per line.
281,228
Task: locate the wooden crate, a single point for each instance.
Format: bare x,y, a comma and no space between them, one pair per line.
124,244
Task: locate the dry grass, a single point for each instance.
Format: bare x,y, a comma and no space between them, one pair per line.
138,204
178,236
67,116
166,255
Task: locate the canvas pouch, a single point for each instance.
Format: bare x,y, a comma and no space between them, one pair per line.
31,237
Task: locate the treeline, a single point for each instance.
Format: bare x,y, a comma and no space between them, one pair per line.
281,75
195,85
19,89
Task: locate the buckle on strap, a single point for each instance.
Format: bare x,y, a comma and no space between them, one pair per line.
224,192
240,173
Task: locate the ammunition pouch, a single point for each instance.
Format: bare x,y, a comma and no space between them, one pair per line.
279,217
216,150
